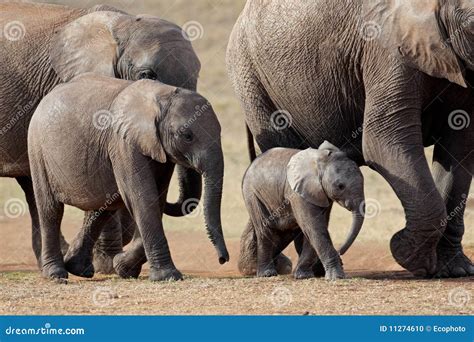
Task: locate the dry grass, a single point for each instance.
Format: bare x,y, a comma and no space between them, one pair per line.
22,292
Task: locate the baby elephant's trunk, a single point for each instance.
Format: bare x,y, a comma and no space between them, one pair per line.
357,222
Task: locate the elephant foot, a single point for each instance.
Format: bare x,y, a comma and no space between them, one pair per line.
165,274
335,273
268,272
103,263
79,265
124,268
415,253
55,272
318,269
453,263
303,274
283,264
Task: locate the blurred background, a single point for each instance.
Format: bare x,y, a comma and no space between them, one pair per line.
210,23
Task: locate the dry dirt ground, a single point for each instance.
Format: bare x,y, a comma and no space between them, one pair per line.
376,285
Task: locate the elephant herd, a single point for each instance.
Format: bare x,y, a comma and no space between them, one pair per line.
98,107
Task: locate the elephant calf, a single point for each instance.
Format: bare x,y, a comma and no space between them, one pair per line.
102,144
288,192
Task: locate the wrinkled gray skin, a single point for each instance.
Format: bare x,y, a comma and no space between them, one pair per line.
289,193
379,79
126,163
61,42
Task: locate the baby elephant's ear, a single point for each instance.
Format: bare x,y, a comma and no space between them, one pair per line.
304,176
136,115
326,145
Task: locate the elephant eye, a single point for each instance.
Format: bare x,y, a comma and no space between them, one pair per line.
188,136
147,74
341,186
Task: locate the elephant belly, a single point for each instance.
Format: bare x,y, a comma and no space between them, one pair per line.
312,74
89,197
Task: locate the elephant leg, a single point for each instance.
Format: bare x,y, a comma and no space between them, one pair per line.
453,166
50,215
265,250
129,264
314,225
27,187
110,241
393,146
309,265
78,259
306,258
248,253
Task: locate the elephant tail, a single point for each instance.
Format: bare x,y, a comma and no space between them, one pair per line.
250,144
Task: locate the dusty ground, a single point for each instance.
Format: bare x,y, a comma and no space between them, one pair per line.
377,284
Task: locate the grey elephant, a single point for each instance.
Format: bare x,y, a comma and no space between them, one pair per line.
43,45
381,80
126,160
290,192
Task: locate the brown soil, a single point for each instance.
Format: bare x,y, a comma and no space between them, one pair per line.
377,285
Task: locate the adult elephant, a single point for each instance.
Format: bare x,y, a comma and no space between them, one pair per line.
43,45
381,80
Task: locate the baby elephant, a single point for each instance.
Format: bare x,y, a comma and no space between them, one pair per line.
102,144
288,194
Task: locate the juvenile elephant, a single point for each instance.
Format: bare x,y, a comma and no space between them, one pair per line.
42,45
125,159
290,192
380,80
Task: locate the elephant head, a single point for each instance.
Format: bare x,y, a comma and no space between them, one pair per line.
130,47
327,174
173,124
433,36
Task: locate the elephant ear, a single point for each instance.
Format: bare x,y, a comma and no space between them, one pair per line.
326,145
86,44
136,114
304,172
414,30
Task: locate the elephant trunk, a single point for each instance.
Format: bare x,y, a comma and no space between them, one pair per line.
190,189
213,181
357,222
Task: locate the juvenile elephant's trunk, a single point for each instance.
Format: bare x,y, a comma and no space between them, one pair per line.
213,179
190,189
357,222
